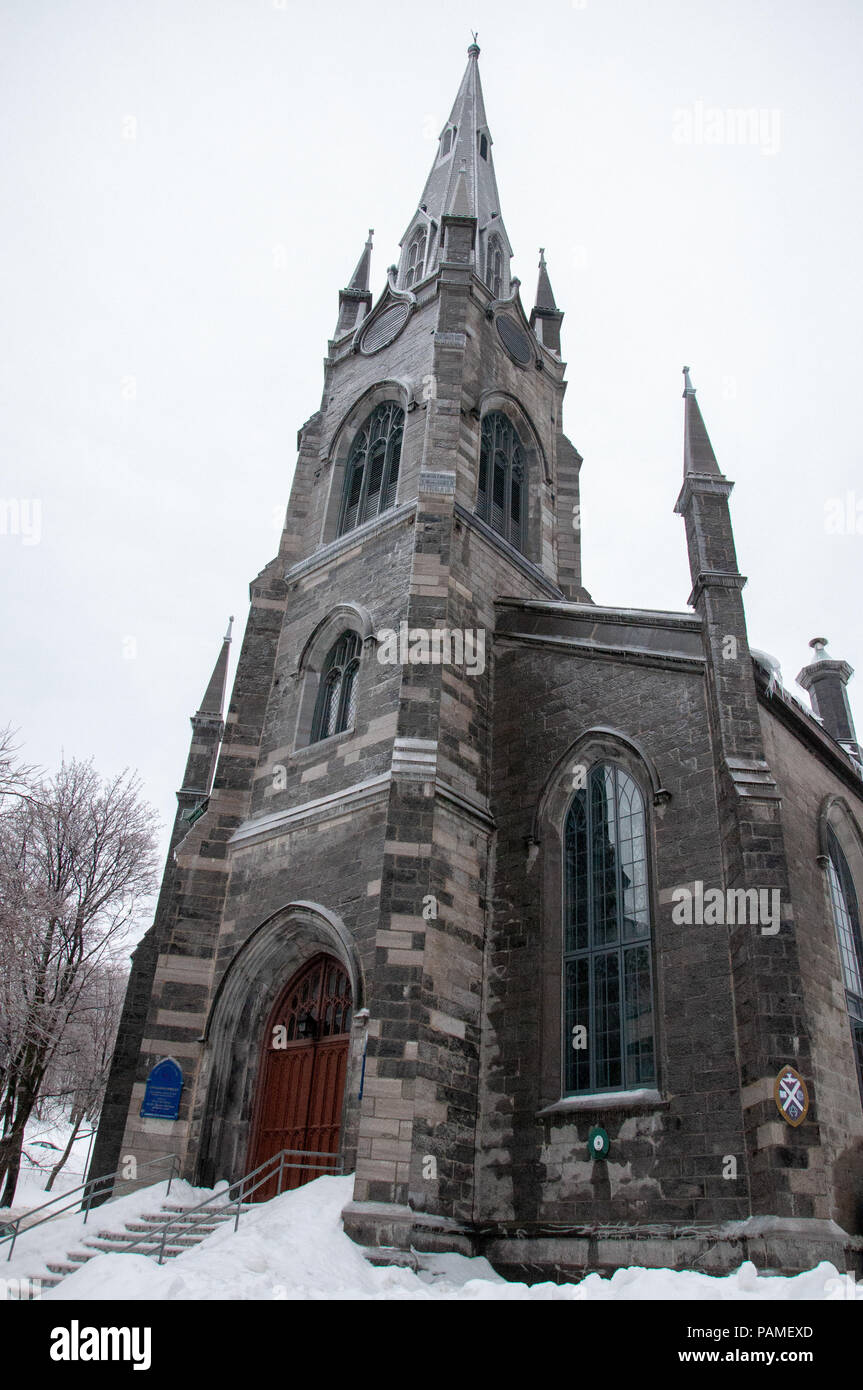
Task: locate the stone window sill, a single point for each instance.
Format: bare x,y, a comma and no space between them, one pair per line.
605,1100
308,751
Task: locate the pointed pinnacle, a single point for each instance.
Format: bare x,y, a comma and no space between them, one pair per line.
214,696
544,293
698,455
360,277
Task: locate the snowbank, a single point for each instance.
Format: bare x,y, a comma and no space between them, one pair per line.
294,1248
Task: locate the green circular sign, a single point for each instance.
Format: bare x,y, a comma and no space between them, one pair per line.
598,1143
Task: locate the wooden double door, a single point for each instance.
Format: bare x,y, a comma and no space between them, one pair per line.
301,1077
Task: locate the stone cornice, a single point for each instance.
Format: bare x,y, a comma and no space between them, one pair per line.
632,635
325,554
409,762
714,579
703,483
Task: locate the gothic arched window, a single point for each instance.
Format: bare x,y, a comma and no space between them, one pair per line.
337,693
372,471
502,491
447,141
483,147
494,266
846,916
416,257
607,974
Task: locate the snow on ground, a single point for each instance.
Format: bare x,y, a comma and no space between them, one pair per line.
294,1248
44,1142
54,1239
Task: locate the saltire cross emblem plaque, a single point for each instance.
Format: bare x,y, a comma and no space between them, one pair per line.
792,1098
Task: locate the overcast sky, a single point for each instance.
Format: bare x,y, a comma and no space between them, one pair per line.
188,183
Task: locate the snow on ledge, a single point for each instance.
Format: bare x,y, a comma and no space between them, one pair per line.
606,1100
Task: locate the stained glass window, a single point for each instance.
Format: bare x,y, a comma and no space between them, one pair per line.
608,985
372,473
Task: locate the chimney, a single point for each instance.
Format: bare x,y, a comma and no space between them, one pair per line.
825,681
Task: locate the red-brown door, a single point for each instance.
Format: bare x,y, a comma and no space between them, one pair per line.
301,1079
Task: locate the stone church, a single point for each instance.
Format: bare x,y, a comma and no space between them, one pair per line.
541,917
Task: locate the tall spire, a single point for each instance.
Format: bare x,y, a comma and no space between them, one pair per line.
461,183
698,455
213,703
355,301
545,317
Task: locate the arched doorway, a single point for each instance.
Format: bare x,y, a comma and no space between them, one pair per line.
301,1078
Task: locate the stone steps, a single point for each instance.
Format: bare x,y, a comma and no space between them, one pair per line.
141,1236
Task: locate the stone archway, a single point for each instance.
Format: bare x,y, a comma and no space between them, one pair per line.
299,1093
244,1001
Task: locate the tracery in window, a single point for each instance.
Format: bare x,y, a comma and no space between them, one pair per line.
335,709
372,471
416,257
607,973
502,490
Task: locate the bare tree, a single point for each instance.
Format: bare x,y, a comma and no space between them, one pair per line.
15,777
77,865
78,1075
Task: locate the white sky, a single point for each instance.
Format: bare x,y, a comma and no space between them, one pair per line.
167,298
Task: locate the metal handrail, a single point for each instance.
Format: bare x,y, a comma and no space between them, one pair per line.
223,1198
86,1201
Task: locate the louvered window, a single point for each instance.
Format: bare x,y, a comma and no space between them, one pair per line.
501,490
372,473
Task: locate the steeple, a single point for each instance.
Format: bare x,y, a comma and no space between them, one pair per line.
545,317
355,301
462,184
698,455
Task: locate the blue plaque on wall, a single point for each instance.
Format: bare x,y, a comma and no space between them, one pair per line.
162,1096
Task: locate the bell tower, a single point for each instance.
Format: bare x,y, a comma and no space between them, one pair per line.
349,815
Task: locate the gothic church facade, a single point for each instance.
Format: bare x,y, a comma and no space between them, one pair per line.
442,891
